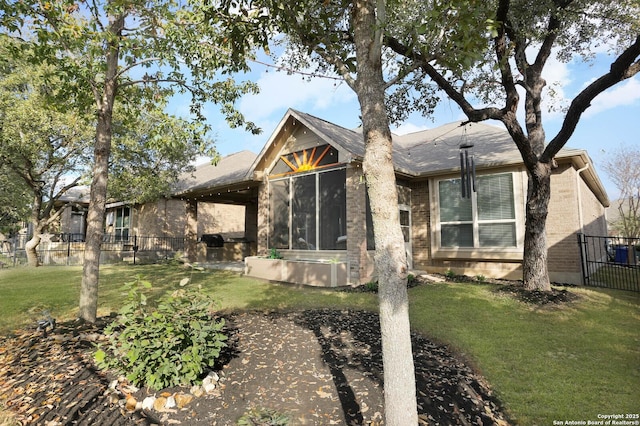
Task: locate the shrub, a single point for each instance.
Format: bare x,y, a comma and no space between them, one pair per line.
274,254
450,274
166,346
371,286
481,278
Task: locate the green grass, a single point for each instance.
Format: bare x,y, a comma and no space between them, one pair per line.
545,363
549,363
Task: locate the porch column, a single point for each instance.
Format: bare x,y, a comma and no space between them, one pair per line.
356,225
251,227
191,231
263,218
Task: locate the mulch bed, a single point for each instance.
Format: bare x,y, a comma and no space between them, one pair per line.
318,367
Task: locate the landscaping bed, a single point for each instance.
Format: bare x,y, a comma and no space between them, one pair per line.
314,367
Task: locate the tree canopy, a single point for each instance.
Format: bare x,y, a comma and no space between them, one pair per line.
507,77
116,56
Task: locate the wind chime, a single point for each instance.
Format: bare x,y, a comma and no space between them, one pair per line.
467,168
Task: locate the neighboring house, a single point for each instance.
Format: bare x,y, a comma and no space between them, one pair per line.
73,219
304,195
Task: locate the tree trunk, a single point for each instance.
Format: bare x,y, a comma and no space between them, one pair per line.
390,256
31,249
95,217
534,264
31,246
102,150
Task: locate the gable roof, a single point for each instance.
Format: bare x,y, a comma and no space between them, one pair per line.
420,154
232,169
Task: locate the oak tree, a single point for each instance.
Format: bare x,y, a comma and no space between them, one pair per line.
520,39
127,53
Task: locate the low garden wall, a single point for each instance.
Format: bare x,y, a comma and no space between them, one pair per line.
316,273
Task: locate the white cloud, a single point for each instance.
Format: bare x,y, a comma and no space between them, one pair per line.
279,91
623,94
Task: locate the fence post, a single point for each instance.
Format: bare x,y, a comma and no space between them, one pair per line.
582,243
69,250
15,247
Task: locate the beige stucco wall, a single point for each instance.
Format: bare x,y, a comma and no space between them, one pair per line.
167,218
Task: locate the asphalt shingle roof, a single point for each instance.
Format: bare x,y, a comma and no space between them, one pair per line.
421,154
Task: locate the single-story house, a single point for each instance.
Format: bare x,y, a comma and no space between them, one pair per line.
304,196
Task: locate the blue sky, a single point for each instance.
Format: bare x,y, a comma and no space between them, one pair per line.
610,122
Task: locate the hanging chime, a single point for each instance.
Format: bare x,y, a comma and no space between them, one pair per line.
467,170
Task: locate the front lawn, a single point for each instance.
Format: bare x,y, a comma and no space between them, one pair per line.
569,362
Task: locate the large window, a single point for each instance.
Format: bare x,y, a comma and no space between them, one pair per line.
118,224
308,212
487,219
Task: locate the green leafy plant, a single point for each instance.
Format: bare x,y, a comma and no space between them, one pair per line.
481,278
274,254
450,274
166,345
263,417
371,286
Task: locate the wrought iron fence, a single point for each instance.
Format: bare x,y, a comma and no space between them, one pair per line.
611,262
68,249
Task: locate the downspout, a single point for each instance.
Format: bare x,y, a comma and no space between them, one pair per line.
580,215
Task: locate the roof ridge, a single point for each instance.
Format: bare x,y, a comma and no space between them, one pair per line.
322,119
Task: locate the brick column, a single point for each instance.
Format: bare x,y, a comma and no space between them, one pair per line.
356,224
263,218
420,224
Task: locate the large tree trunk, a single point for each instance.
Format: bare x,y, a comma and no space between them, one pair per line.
97,204
31,246
534,264
95,217
390,255
31,250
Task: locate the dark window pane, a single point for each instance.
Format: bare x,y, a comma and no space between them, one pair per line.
371,244
456,235
303,212
495,197
497,234
333,211
404,217
453,207
279,214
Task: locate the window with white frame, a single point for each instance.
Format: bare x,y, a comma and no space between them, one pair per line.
486,220
118,222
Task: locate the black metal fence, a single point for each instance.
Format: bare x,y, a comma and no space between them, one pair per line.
611,262
68,249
